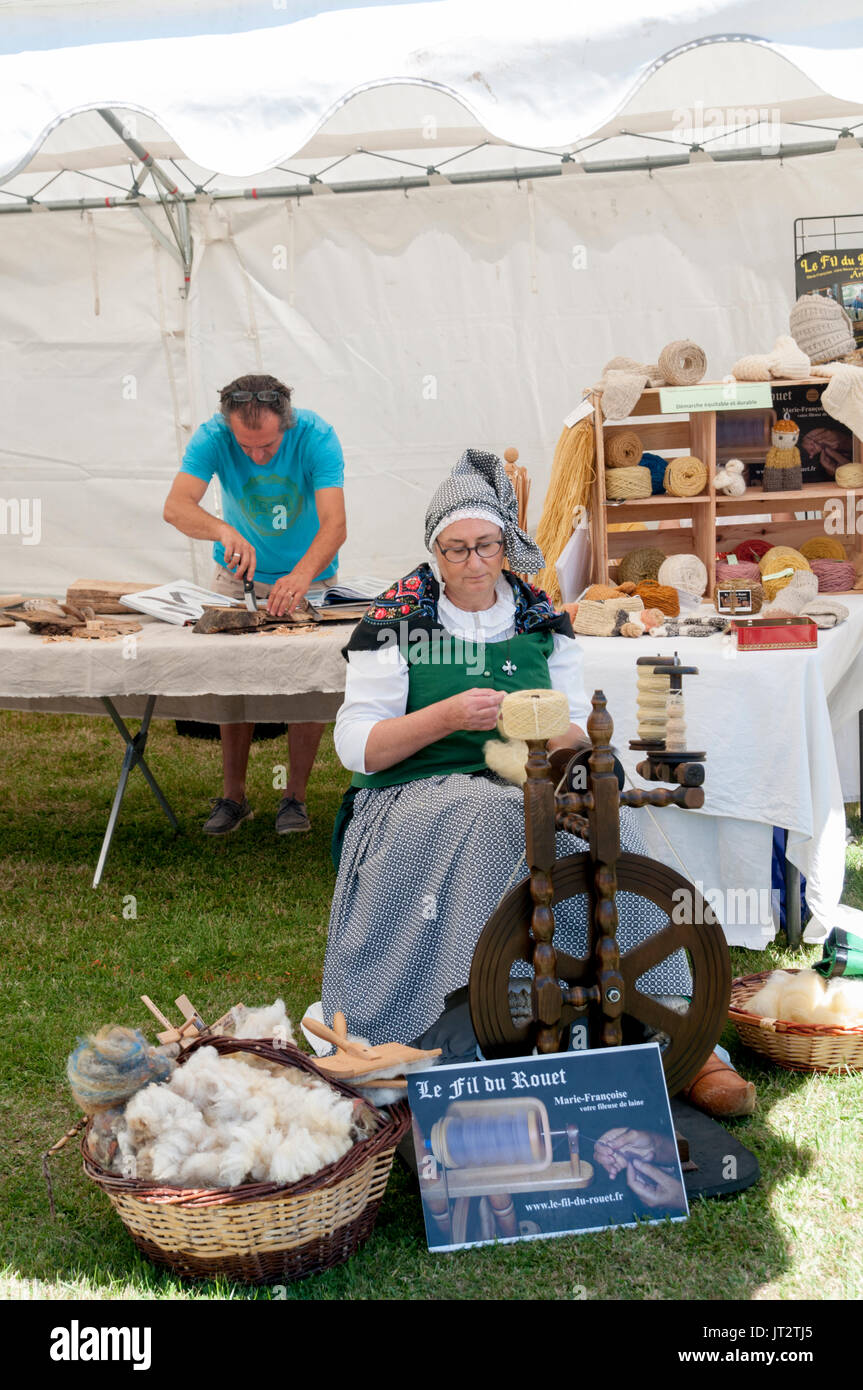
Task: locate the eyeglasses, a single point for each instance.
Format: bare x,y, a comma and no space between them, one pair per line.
265,397
457,554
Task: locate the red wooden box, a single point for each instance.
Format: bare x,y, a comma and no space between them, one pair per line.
774,634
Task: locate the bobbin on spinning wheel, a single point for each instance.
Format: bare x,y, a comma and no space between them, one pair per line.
600,988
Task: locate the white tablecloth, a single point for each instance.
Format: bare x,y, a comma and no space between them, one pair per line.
769,723
220,678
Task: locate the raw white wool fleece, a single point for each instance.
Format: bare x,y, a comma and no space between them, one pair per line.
219,1122
269,1022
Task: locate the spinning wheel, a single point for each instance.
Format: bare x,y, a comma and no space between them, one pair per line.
506,939
599,988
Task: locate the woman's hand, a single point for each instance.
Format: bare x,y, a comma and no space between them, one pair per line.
474,709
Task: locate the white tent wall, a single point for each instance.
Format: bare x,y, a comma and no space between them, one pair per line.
91,362
418,325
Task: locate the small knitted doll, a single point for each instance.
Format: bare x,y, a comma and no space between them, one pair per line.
783,471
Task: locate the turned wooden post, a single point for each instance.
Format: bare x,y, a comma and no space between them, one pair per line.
604,821
539,813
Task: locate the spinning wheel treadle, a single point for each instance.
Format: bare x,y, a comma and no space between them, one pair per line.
506,938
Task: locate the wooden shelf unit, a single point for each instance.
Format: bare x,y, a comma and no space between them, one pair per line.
709,531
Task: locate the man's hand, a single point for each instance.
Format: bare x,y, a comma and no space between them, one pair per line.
287,592
653,1185
239,555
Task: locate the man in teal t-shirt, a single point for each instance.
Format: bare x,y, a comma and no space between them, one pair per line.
281,474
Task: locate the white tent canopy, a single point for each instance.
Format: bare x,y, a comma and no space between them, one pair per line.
459,289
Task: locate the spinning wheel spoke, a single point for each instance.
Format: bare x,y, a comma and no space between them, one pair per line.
650,952
648,1010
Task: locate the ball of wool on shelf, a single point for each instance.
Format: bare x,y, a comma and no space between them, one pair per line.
821,328
685,477
752,550
623,450
780,557
823,548
834,576
849,475
640,564
621,483
683,362
747,569
657,468
684,572
660,596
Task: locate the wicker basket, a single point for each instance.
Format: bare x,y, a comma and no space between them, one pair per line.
260,1233
795,1046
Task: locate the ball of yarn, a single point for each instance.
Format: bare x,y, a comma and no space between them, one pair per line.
640,564
682,363
823,548
747,569
850,475
685,572
660,596
628,482
752,550
833,575
110,1066
780,557
685,477
623,450
657,468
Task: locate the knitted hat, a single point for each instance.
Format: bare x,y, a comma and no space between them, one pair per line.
478,486
821,328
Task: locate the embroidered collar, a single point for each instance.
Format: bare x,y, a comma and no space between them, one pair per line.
414,598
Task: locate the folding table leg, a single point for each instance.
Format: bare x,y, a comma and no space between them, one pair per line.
793,929
134,756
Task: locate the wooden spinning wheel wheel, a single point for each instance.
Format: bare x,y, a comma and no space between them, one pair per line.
506,939
599,988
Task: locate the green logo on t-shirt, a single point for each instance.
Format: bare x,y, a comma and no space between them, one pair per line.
271,503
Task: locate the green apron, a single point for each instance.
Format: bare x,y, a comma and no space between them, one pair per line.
440,665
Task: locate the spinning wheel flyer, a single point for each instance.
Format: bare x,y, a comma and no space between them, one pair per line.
533,1147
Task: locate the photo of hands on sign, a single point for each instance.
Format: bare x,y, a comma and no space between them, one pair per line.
648,1160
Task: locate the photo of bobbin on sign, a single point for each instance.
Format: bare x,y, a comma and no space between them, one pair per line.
544,1146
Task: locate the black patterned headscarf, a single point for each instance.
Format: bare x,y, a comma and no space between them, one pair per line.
478,486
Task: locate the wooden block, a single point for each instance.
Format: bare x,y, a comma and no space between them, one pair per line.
103,595
10,600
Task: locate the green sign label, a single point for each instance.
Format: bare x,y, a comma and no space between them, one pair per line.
719,395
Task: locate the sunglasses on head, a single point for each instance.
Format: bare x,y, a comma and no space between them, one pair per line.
265,397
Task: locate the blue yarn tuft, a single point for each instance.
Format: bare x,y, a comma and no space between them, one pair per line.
657,468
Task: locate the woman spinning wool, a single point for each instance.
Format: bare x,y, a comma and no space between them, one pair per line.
431,838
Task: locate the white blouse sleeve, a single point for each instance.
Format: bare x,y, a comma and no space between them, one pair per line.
376,687
565,667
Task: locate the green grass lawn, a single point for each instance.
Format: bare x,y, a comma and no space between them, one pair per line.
246,920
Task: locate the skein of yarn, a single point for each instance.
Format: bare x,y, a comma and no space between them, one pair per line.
746,570
850,475
660,596
685,572
108,1067
823,548
628,482
780,557
685,477
623,450
640,564
682,362
752,550
572,473
834,576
